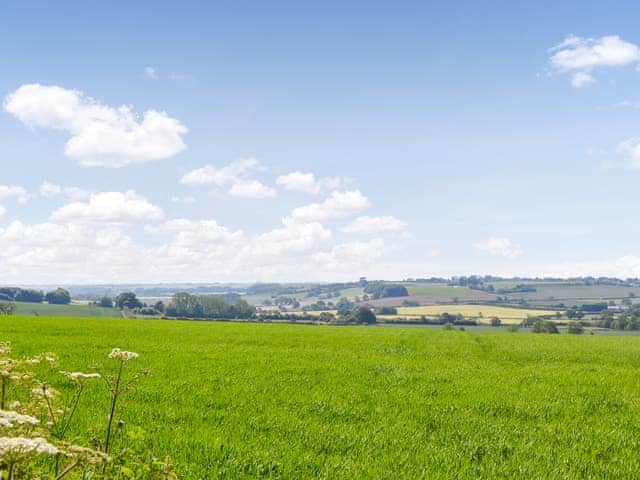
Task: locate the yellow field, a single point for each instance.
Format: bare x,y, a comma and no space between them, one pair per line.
506,314
482,313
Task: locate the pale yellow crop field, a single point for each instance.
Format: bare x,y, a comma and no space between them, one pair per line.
506,314
482,313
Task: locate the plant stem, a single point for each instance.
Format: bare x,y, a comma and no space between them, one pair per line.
112,411
67,470
4,392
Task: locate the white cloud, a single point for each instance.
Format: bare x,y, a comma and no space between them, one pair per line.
500,247
351,255
150,73
251,189
307,182
100,135
110,208
338,204
14,191
292,238
631,149
3,210
222,177
235,177
582,79
582,55
50,190
186,200
366,225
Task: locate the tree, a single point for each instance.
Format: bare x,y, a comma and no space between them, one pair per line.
34,296
159,306
106,302
344,306
7,308
128,300
495,322
575,328
59,296
327,317
363,315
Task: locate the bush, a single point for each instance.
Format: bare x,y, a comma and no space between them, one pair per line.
575,328
495,322
387,311
513,328
447,326
546,326
7,308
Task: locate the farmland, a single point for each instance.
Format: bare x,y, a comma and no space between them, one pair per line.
506,314
71,310
229,400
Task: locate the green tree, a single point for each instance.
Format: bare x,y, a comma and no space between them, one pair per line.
59,296
495,322
128,300
364,315
106,302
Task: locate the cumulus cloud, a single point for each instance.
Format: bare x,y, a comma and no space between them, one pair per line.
99,135
582,79
234,177
500,247
366,225
583,55
292,238
350,255
251,189
308,183
631,149
50,190
13,191
150,73
186,200
338,204
110,208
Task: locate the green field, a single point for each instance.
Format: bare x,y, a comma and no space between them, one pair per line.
230,400
72,310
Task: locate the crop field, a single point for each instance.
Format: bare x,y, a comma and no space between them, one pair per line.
506,314
567,292
229,400
72,310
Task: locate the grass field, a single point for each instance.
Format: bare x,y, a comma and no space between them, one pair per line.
232,400
567,292
72,310
506,314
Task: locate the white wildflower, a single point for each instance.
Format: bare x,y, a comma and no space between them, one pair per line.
5,348
44,392
87,455
8,418
122,355
80,375
14,449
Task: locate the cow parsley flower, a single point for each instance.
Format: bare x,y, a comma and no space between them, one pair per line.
8,418
122,355
15,449
80,375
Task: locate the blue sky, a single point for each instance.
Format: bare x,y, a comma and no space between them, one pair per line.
284,141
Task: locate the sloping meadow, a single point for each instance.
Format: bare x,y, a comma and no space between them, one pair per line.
227,400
